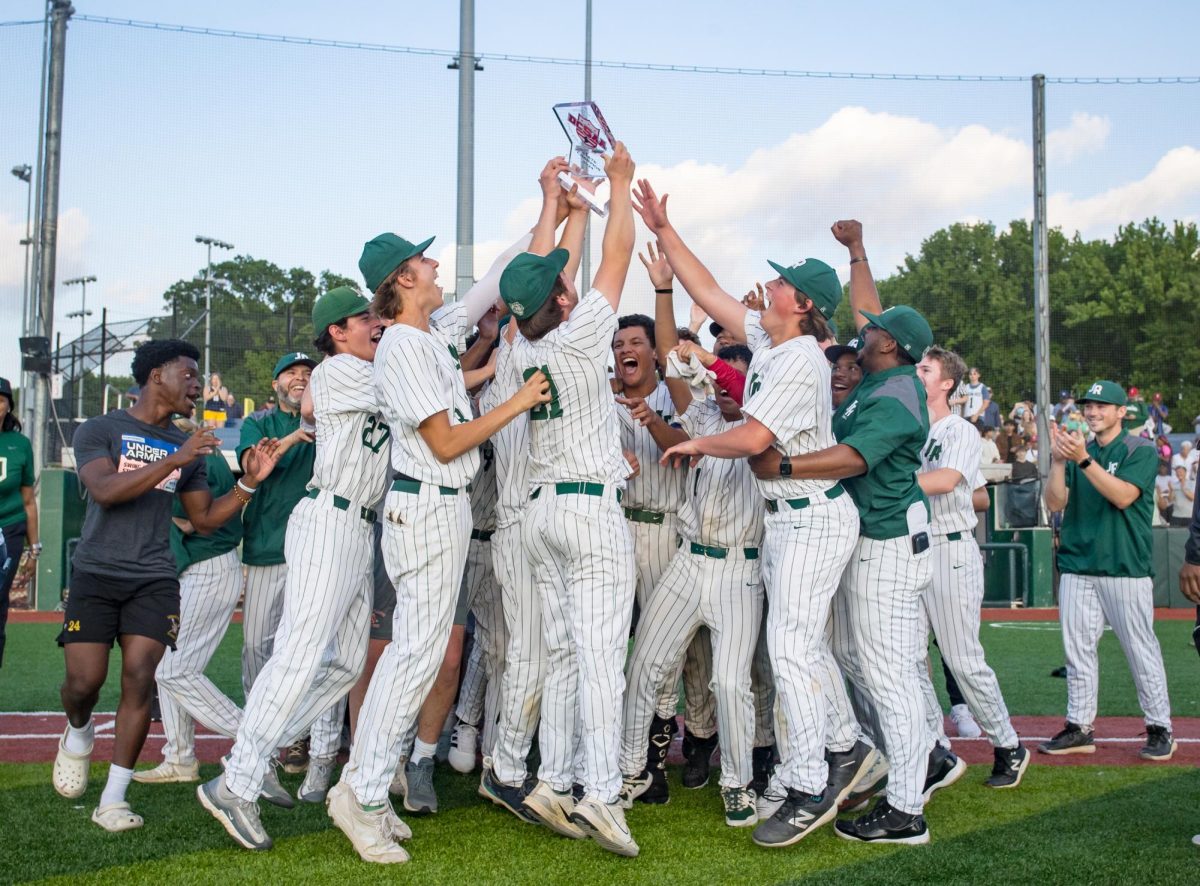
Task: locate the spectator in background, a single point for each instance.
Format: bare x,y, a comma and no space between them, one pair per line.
1158,415
1196,426
212,387
1006,440
233,411
1182,496
1064,405
978,395
1163,445
1074,422
1184,457
214,402
989,454
264,409
1023,412
1162,494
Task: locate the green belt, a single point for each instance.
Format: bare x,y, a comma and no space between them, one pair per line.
596,489
954,536
797,504
343,504
640,516
481,534
722,553
414,486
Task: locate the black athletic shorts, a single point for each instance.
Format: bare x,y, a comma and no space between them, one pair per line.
101,609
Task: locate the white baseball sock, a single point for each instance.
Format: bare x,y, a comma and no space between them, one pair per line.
118,780
79,741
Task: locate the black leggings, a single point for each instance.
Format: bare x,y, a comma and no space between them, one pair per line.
14,540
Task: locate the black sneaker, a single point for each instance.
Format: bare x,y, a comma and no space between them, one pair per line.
1073,739
846,768
764,764
507,796
1009,767
944,770
697,760
662,732
883,824
1159,744
799,816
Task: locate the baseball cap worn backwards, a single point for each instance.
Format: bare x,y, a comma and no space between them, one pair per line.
288,360
1104,392
816,280
335,306
907,327
526,283
383,254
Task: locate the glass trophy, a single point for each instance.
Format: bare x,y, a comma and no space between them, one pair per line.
590,138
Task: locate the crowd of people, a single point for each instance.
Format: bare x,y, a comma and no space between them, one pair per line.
780,521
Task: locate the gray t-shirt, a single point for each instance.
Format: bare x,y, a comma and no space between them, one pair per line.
132,538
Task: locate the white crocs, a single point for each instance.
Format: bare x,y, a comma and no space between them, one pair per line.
71,770
116,817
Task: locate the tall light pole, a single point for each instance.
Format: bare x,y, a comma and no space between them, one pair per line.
83,313
210,242
25,173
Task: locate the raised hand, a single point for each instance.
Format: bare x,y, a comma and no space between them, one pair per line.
199,445
619,166
260,459
650,206
657,266
755,300
548,179
489,323
685,350
696,317
848,232
574,202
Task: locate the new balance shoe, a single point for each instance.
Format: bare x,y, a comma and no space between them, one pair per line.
316,780
464,744
371,832
846,768
1009,767
798,816
1159,744
883,824
553,809
1073,739
964,724
295,756
697,760
740,808
419,796
605,823
239,817
505,796
169,773
945,768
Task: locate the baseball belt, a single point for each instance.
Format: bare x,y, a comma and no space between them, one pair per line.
344,504
721,553
797,504
637,515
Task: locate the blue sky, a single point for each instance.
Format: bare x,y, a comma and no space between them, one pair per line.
299,154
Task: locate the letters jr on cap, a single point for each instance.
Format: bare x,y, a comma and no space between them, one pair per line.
590,138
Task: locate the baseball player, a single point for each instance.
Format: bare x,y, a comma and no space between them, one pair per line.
266,521
1105,488
321,644
803,554
124,584
427,518
949,473
574,531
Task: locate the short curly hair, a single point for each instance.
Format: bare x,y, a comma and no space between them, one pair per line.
159,352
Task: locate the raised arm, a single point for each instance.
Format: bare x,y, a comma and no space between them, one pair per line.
617,249
575,229
486,290
693,275
863,295
548,219
661,278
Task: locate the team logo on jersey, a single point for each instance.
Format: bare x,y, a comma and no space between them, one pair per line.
933,450
517,308
850,409
1112,467
755,383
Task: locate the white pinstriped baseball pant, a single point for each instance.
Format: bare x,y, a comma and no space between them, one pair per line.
480,693
262,608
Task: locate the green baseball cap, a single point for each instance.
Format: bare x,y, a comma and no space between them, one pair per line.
385,253
336,305
6,391
291,360
1105,392
816,280
526,283
833,353
906,326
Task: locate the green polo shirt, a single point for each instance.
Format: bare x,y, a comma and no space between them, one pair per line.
194,548
264,521
1097,537
16,470
886,421
1135,415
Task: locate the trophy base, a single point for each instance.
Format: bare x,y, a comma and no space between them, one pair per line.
601,209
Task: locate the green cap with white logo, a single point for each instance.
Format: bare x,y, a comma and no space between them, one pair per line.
527,281
288,360
383,254
816,280
907,327
1104,392
335,306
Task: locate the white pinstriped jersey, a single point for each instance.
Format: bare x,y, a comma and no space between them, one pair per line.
510,445
787,390
953,443
417,374
574,437
656,487
352,438
723,507
483,487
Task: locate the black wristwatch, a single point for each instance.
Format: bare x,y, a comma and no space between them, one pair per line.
785,466
1085,464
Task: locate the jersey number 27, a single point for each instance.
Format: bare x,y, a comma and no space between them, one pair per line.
543,411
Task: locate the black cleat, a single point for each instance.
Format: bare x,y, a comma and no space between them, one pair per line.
883,824
1073,739
846,768
697,760
944,770
1009,767
662,732
764,765
507,796
1159,744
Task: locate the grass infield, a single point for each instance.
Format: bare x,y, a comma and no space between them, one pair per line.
1065,824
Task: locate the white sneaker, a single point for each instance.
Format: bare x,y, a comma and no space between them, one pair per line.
605,823
463,745
964,724
554,809
169,773
770,801
369,832
399,784
316,780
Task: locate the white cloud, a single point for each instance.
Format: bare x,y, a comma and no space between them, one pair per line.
1087,134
